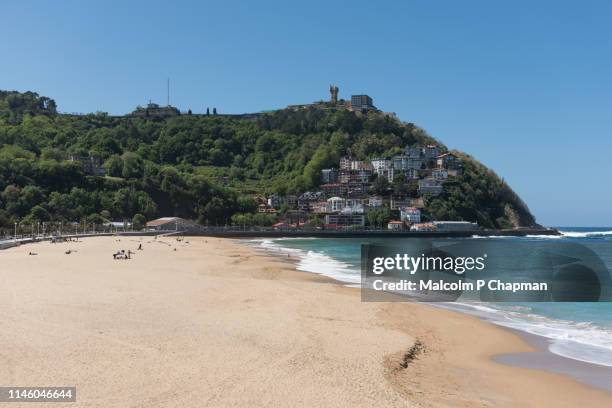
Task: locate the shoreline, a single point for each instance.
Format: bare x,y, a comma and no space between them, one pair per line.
212,322
540,358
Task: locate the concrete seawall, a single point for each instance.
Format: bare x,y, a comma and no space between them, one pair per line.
371,234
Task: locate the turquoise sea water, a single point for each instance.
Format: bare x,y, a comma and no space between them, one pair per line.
581,331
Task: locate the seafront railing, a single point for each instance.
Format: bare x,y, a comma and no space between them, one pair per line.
251,231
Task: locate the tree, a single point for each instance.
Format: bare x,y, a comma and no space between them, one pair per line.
380,185
399,184
51,153
95,219
31,196
39,213
315,221
114,166
138,222
412,188
323,157
214,212
378,217
132,165
242,219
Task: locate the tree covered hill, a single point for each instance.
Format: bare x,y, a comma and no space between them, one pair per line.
206,167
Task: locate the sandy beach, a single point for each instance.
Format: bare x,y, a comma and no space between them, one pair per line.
214,323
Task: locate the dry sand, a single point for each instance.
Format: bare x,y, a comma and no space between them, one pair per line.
218,324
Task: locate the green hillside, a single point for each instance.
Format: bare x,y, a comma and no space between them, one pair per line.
62,168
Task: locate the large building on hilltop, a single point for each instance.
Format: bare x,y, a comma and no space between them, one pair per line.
357,103
153,110
362,103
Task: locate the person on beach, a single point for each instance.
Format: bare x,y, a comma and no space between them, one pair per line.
140,247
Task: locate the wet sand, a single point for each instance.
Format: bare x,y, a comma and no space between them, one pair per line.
542,359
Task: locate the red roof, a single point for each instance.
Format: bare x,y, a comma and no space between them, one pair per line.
446,154
163,221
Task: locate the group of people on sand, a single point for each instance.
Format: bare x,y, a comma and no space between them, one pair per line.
122,254
126,255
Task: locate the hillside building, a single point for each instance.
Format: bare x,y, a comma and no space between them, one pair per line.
345,163
430,186
275,201
362,103
90,165
395,226
329,176
426,226
305,200
344,220
414,152
431,152
380,164
336,204
439,174
153,110
448,161
397,203
375,202
411,215
334,189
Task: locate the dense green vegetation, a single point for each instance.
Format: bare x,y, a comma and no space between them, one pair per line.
207,168
480,195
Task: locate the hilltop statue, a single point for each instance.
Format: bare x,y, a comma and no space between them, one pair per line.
333,90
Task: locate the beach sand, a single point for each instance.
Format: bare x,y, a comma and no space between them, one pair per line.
215,323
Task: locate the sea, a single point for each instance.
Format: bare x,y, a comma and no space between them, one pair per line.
578,331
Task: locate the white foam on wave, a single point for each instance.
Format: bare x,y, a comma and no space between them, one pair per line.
270,245
564,234
490,236
578,341
585,234
315,262
581,341
544,236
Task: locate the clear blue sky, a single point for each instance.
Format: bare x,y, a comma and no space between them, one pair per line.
524,86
